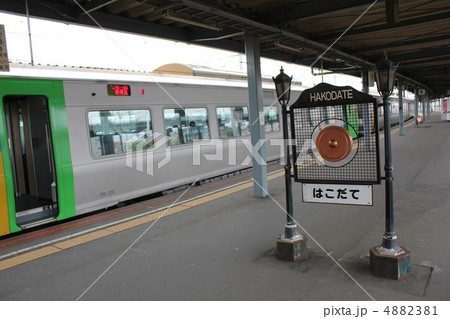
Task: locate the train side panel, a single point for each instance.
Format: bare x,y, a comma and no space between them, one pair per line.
24,103
104,181
4,213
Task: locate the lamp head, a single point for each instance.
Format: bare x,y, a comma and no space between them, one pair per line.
385,72
283,87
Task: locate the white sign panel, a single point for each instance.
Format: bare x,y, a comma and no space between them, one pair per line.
4,62
445,111
338,194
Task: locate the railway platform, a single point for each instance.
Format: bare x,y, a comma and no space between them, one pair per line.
216,241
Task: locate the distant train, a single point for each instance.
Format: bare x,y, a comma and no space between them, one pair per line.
408,111
77,142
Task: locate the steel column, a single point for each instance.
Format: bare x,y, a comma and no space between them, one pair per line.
256,112
424,107
366,120
416,106
400,108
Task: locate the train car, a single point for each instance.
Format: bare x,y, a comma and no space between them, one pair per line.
77,142
394,111
85,140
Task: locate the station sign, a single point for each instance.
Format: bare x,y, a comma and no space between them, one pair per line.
338,194
335,137
4,61
331,95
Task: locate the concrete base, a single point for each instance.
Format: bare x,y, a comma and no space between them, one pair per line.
390,266
292,250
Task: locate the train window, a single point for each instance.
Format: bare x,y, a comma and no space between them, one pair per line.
119,131
186,125
233,121
271,119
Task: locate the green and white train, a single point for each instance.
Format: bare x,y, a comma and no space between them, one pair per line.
81,141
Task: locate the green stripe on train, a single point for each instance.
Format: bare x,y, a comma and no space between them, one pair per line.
351,116
53,90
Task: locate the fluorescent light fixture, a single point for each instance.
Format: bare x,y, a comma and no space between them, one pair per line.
170,16
287,47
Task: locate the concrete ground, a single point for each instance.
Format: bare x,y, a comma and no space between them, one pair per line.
224,249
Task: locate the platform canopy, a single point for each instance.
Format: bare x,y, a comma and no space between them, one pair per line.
415,33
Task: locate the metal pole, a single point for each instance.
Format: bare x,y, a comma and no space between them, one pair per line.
255,95
290,230
365,81
424,111
400,108
389,237
29,33
416,106
366,119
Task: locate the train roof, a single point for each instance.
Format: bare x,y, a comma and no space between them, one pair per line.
168,74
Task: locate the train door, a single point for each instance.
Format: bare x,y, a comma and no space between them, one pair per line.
32,162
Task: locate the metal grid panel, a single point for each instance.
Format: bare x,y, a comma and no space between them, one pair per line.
359,164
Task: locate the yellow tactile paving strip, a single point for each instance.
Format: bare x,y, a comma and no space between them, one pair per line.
69,243
82,239
24,258
152,216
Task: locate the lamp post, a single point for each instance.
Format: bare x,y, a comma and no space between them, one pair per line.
385,73
283,89
388,259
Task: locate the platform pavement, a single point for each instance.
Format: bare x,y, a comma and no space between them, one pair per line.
224,249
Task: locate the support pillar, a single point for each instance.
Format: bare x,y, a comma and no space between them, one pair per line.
424,107
365,81
256,112
416,106
366,121
400,108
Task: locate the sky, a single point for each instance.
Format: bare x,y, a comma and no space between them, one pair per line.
56,43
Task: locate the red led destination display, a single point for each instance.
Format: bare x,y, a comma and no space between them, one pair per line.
118,90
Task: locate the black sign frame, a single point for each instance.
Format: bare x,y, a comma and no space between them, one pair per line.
318,100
